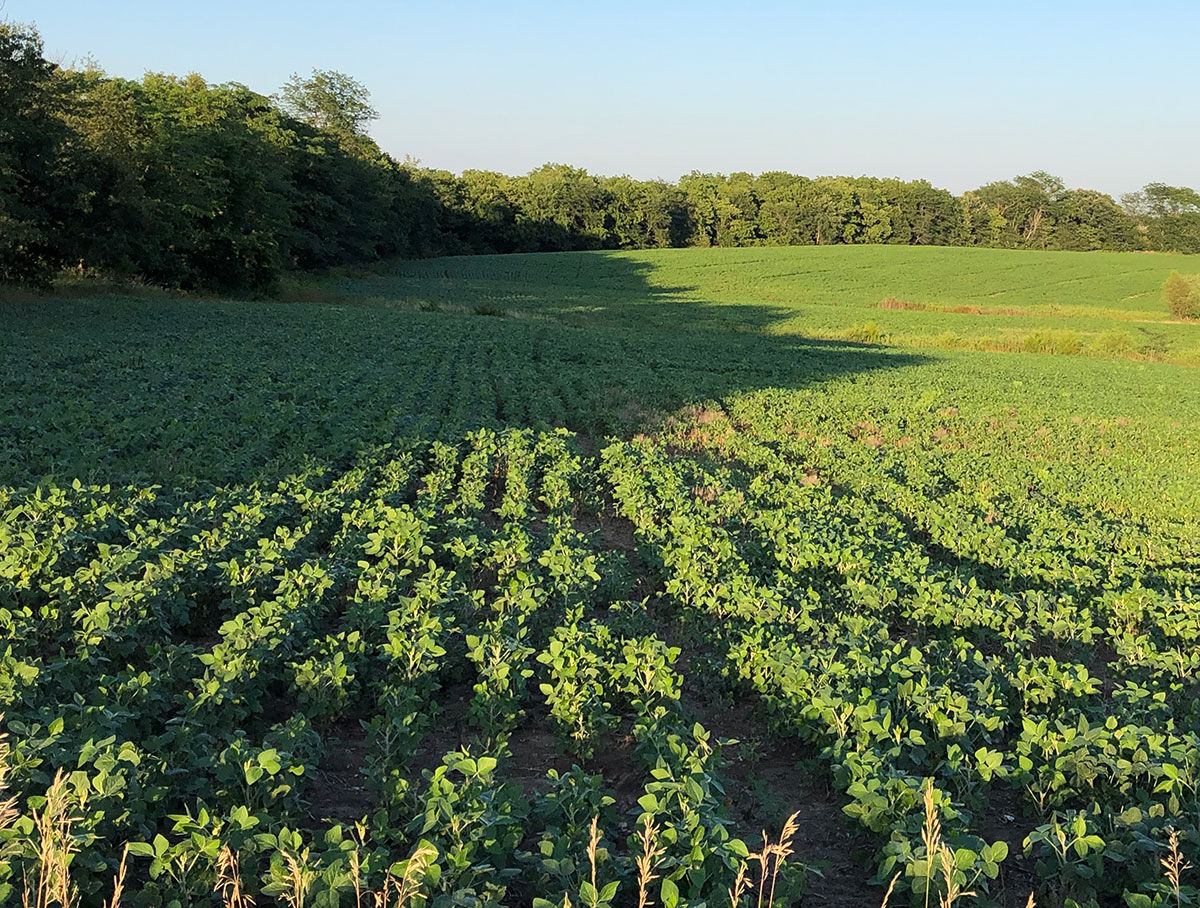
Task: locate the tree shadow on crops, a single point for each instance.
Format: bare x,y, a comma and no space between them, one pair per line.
611,319
175,391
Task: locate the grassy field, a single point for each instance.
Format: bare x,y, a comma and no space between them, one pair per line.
1106,305
399,589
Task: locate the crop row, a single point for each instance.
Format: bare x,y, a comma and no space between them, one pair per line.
447,668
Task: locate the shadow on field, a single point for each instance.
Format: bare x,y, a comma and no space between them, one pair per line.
173,391
674,348
578,288
176,392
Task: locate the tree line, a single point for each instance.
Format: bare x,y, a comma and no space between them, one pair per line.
187,184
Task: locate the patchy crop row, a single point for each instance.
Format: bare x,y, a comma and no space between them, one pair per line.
334,614
345,607
987,651
1021,634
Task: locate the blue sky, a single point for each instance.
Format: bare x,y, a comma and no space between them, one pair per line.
1104,94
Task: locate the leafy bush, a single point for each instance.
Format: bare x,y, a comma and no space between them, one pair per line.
1048,341
866,333
1181,292
1114,343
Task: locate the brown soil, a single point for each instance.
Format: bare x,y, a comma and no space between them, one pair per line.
449,730
1005,822
535,751
767,781
616,533
587,444
339,793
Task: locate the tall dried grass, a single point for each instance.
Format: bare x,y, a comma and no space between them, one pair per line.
56,846
229,881
647,862
1174,866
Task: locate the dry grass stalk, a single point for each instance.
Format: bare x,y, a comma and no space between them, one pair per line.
360,840
782,850
647,861
762,858
229,881
593,844
381,897
409,884
771,859
119,881
1174,865
739,886
301,878
55,848
1029,902
931,837
888,895
356,876
8,806
953,892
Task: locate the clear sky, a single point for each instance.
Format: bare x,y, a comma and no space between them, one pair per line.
1104,94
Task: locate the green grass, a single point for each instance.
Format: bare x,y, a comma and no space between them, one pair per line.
1103,304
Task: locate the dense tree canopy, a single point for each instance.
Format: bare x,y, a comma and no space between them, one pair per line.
329,100
1169,215
187,184
32,198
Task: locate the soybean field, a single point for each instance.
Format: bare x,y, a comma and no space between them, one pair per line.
799,576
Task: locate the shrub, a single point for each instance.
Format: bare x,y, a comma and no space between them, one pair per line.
1046,341
1181,292
866,333
1114,343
